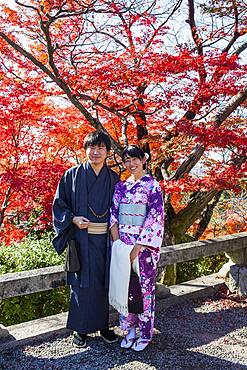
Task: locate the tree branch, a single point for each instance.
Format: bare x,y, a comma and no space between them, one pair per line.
206,216
241,48
187,216
176,7
197,39
236,33
219,118
234,102
192,23
5,204
45,28
92,120
190,162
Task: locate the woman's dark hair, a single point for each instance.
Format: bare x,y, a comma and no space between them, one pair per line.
97,138
133,151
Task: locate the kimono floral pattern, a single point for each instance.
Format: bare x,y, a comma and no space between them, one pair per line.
144,191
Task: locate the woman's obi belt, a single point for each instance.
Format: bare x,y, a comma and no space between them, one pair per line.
132,214
97,228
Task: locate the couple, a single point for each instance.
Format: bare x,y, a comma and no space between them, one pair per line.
83,210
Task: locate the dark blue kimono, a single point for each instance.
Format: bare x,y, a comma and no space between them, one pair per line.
78,191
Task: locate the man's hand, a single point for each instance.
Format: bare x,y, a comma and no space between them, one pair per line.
135,251
81,222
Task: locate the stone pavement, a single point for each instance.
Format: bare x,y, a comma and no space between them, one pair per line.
202,334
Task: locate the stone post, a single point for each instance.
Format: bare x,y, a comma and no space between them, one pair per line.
3,332
168,275
235,271
238,257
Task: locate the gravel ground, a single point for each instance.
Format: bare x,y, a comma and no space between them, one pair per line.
209,334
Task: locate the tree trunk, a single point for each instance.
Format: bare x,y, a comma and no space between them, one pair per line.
192,212
206,216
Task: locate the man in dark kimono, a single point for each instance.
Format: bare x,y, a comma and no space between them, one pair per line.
81,213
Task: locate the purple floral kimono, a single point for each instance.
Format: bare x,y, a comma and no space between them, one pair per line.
138,210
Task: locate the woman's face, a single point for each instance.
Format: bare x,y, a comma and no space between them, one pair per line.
134,165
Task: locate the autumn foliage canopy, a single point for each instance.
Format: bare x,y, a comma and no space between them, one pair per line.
168,75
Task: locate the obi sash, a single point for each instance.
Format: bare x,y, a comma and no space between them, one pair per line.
132,214
97,228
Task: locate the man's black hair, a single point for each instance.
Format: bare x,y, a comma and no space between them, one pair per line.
133,151
97,138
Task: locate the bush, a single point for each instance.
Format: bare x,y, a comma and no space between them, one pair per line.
33,306
30,254
202,266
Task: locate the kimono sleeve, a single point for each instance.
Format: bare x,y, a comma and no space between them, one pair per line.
62,215
153,227
114,211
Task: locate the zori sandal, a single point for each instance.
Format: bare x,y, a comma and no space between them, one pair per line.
140,344
127,342
129,339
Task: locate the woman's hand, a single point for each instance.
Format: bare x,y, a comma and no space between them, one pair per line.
81,222
135,251
114,232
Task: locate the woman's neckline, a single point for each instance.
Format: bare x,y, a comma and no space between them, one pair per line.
132,179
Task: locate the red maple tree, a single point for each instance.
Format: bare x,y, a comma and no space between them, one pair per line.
167,75
33,155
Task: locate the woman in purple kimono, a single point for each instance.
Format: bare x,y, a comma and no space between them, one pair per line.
137,218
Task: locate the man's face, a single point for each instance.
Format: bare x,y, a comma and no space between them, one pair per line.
96,154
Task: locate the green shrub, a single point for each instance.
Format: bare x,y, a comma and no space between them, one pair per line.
202,266
30,254
33,306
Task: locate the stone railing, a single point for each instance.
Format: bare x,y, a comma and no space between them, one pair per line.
32,281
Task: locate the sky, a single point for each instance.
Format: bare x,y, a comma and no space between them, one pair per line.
10,3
